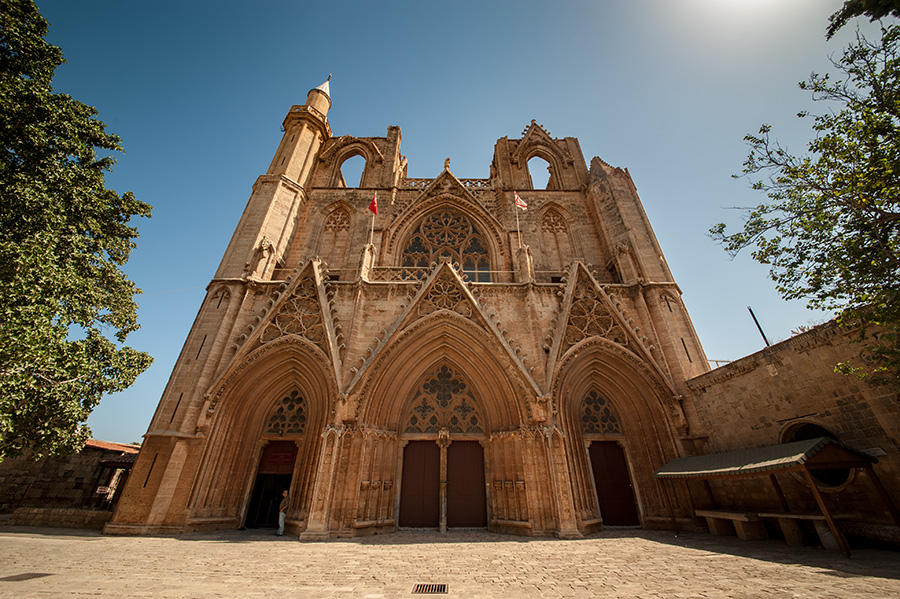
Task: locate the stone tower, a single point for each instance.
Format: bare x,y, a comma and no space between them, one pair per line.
459,370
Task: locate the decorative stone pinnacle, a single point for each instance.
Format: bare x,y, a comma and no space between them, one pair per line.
446,164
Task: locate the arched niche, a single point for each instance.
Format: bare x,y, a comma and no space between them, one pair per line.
335,236
242,424
557,247
442,338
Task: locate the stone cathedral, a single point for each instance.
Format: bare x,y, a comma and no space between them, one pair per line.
446,367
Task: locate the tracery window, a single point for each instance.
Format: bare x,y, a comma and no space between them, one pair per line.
289,417
597,416
449,234
337,220
443,401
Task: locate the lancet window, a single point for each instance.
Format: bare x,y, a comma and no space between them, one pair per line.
289,417
597,416
449,234
443,401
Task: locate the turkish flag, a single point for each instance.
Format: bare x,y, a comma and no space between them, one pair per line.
374,205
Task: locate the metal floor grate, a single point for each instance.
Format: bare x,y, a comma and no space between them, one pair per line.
429,589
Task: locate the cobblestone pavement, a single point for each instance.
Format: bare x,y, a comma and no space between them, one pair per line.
624,563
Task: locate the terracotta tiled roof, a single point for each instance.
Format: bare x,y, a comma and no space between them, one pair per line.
111,446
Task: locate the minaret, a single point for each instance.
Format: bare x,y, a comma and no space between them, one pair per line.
305,128
176,434
262,234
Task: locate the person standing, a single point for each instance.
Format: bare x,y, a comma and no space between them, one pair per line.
282,512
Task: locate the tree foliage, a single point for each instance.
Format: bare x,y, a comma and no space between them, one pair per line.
65,305
830,231
874,9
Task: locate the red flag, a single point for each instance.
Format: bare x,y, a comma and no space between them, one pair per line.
520,203
374,205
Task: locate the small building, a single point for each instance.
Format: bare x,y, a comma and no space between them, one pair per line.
80,490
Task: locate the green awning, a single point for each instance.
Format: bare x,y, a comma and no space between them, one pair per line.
772,458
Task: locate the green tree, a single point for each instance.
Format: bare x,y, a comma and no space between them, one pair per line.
830,231
65,305
874,9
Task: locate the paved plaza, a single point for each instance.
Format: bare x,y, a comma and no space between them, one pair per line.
623,563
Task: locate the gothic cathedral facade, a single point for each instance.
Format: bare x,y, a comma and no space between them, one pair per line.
456,364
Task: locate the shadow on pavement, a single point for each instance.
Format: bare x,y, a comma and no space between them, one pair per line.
878,563
863,562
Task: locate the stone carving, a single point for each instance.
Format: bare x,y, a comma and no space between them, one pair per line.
597,416
589,317
260,255
553,222
443,402
289,418
445,294
337,220
299,315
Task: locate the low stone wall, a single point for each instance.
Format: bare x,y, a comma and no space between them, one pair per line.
760,398
61,517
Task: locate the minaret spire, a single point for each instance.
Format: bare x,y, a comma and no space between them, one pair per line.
325,88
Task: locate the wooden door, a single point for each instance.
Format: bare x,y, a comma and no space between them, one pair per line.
420,485
466,505
615,493
272,477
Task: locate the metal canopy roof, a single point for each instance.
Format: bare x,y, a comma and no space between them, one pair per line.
812,454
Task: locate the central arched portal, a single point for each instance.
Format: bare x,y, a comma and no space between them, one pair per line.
443,476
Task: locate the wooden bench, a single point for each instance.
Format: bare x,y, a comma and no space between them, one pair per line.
748,526
793,534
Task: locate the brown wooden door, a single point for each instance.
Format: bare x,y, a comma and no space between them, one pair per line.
420,485
614,490
272,477
466,505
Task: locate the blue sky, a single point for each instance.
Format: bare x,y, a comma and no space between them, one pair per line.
198,90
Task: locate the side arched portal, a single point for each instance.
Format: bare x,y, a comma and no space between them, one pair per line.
612,410
268,422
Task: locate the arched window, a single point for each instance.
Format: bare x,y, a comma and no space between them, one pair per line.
449,234
288,417
541,173
351,171
444,401
597,416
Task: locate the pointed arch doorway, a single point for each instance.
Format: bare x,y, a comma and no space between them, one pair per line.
609,465
442,478
282,438
276,466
